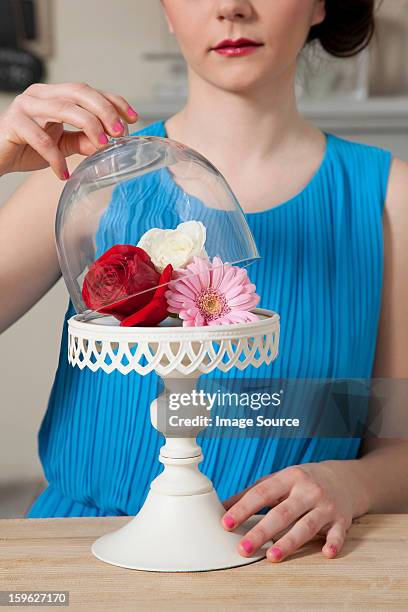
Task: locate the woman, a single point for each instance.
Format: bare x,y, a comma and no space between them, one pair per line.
321,210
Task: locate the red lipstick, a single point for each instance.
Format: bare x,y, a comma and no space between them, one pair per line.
236,48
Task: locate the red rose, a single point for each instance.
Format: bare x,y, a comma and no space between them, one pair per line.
156,310
113,280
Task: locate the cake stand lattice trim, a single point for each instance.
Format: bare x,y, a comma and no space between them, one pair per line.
132,350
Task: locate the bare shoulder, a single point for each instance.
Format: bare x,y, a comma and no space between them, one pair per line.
397,193
395,217
399,170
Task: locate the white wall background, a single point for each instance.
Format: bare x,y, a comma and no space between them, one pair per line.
101,43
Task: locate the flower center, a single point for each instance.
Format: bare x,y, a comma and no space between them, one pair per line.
212,304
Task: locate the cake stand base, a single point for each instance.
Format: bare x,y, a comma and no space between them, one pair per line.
179,528
176,534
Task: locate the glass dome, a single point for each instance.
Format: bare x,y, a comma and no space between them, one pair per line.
135,213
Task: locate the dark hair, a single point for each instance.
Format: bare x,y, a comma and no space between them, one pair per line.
348,27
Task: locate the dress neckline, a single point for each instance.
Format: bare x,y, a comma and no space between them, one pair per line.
303,191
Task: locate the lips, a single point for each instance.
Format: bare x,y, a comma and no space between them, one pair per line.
236,48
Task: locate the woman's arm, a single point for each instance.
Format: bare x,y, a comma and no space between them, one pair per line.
32,137
383,465
322,498
28,259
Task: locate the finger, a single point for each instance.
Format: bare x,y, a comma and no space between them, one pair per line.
87,98
72,142
302,531
262,494
275,521
29,131
63,110
335,539
126,111
228,503
234,498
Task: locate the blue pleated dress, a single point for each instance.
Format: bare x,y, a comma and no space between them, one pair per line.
321,269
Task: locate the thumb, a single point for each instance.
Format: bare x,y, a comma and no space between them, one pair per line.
73,142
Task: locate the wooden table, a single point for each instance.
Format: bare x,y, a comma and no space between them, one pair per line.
371,572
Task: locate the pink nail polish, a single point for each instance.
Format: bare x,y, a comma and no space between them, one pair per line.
66,175
229,521
131,112
247,546
118,127
333,549
103,139
276,553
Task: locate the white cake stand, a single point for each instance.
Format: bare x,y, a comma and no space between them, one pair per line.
178,527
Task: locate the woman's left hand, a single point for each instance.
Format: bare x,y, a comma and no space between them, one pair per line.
310,499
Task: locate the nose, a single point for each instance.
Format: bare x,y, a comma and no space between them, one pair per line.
234,10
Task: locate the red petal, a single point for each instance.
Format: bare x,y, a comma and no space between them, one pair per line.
126,250
154,312
127,306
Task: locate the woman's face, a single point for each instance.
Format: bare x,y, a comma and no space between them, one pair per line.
208,32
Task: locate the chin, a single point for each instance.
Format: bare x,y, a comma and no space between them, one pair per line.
243,82
240,76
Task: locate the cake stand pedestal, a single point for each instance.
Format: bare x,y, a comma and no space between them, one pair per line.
179,527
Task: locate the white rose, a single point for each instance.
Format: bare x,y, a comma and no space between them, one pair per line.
176,247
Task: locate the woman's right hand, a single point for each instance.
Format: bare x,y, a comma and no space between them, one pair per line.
32,134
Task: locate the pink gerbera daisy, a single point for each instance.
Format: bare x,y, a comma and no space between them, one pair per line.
211,293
